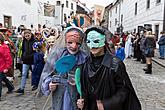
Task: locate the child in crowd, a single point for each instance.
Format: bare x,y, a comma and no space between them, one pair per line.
38,64
120,52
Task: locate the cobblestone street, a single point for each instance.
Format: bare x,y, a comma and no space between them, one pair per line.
16,101
150,89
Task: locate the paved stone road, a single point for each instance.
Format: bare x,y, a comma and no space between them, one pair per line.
150,89
16,101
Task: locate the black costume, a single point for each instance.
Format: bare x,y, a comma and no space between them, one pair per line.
104,78
107,80
138,51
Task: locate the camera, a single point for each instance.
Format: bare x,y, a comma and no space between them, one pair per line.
59,79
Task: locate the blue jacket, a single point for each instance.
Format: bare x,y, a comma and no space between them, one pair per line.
38,62
120,53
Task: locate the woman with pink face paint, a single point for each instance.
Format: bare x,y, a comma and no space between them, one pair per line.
63,99
73,42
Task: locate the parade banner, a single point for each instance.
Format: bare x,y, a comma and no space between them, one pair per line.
49,10
98,14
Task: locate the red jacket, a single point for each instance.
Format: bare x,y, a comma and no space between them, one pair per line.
5,57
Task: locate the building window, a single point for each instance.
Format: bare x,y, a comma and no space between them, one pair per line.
148,4
67,4
58,3
135,8
115,21
158,1
116,9
72,6
109,23
7,22
156,31
28,1
121,18
134,30
110,13
71,13
65,18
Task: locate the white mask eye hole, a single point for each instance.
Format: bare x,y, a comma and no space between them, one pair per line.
88,41
96,41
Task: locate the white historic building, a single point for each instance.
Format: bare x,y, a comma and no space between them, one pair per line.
62,12
128,15
18,12
32,12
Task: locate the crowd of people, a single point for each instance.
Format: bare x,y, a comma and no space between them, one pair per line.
103,81
28,52
142,48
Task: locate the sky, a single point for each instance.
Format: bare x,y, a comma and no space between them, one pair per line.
90,3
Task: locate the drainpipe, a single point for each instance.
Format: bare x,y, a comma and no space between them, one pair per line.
62,7
120,23
164,18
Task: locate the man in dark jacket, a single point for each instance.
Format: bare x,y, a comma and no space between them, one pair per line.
27,57
105,83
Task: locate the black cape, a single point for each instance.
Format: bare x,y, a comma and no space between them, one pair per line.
110,83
